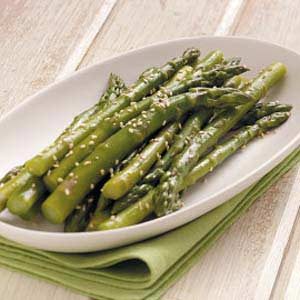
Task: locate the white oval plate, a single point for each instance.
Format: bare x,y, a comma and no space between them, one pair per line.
32,125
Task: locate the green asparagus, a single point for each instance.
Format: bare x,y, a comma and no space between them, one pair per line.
138,211
148,81
10,175
115,86
13,185
238,82
80,217
123,181
23,176
167,194
21,201
108,154
108,127
261,110
235,142
189,130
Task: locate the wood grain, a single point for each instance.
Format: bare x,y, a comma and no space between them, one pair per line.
37,38
138,23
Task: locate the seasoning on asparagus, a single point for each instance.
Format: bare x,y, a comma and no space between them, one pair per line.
167,195
78,220
181,82
261,110
138,211
10,175
22,176
123,181
189,130
108,127
106,155
149,80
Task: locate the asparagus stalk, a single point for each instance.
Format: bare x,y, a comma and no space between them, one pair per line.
10,175
34,210
148,81
108,154
123,181
108,127
180,83
261,110
189,130
22,175
13,185
144,207
167,194
80,217
238,82
237,141
115,86
24,198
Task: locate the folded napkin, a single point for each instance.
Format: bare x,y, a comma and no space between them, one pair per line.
143,270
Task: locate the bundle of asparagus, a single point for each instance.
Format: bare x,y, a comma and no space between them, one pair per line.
132,154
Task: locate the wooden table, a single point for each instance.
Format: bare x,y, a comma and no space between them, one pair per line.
41,41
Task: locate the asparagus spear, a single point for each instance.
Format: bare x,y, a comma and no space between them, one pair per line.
115,86
261,110
189,130
238,82
108,127
181,82
13,185
10,175
24,198
148,81
167,194
79,219
108,154
123,181
7,187
237,141
144,207
34,210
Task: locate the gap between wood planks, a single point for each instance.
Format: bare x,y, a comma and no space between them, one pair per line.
227,25
284,231
80,51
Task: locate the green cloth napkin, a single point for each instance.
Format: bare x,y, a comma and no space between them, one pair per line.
143,270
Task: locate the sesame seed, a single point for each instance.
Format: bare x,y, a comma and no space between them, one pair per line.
82,146
56,165
67,192
88,162
78,207
117,162
54,157
1,184
97,157
77,163
93,136
130,130
92,186
111,170
141,172
91,143
33,185
71,174
71,145
59,180
102,171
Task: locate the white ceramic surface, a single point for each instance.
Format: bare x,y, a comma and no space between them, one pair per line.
36,122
